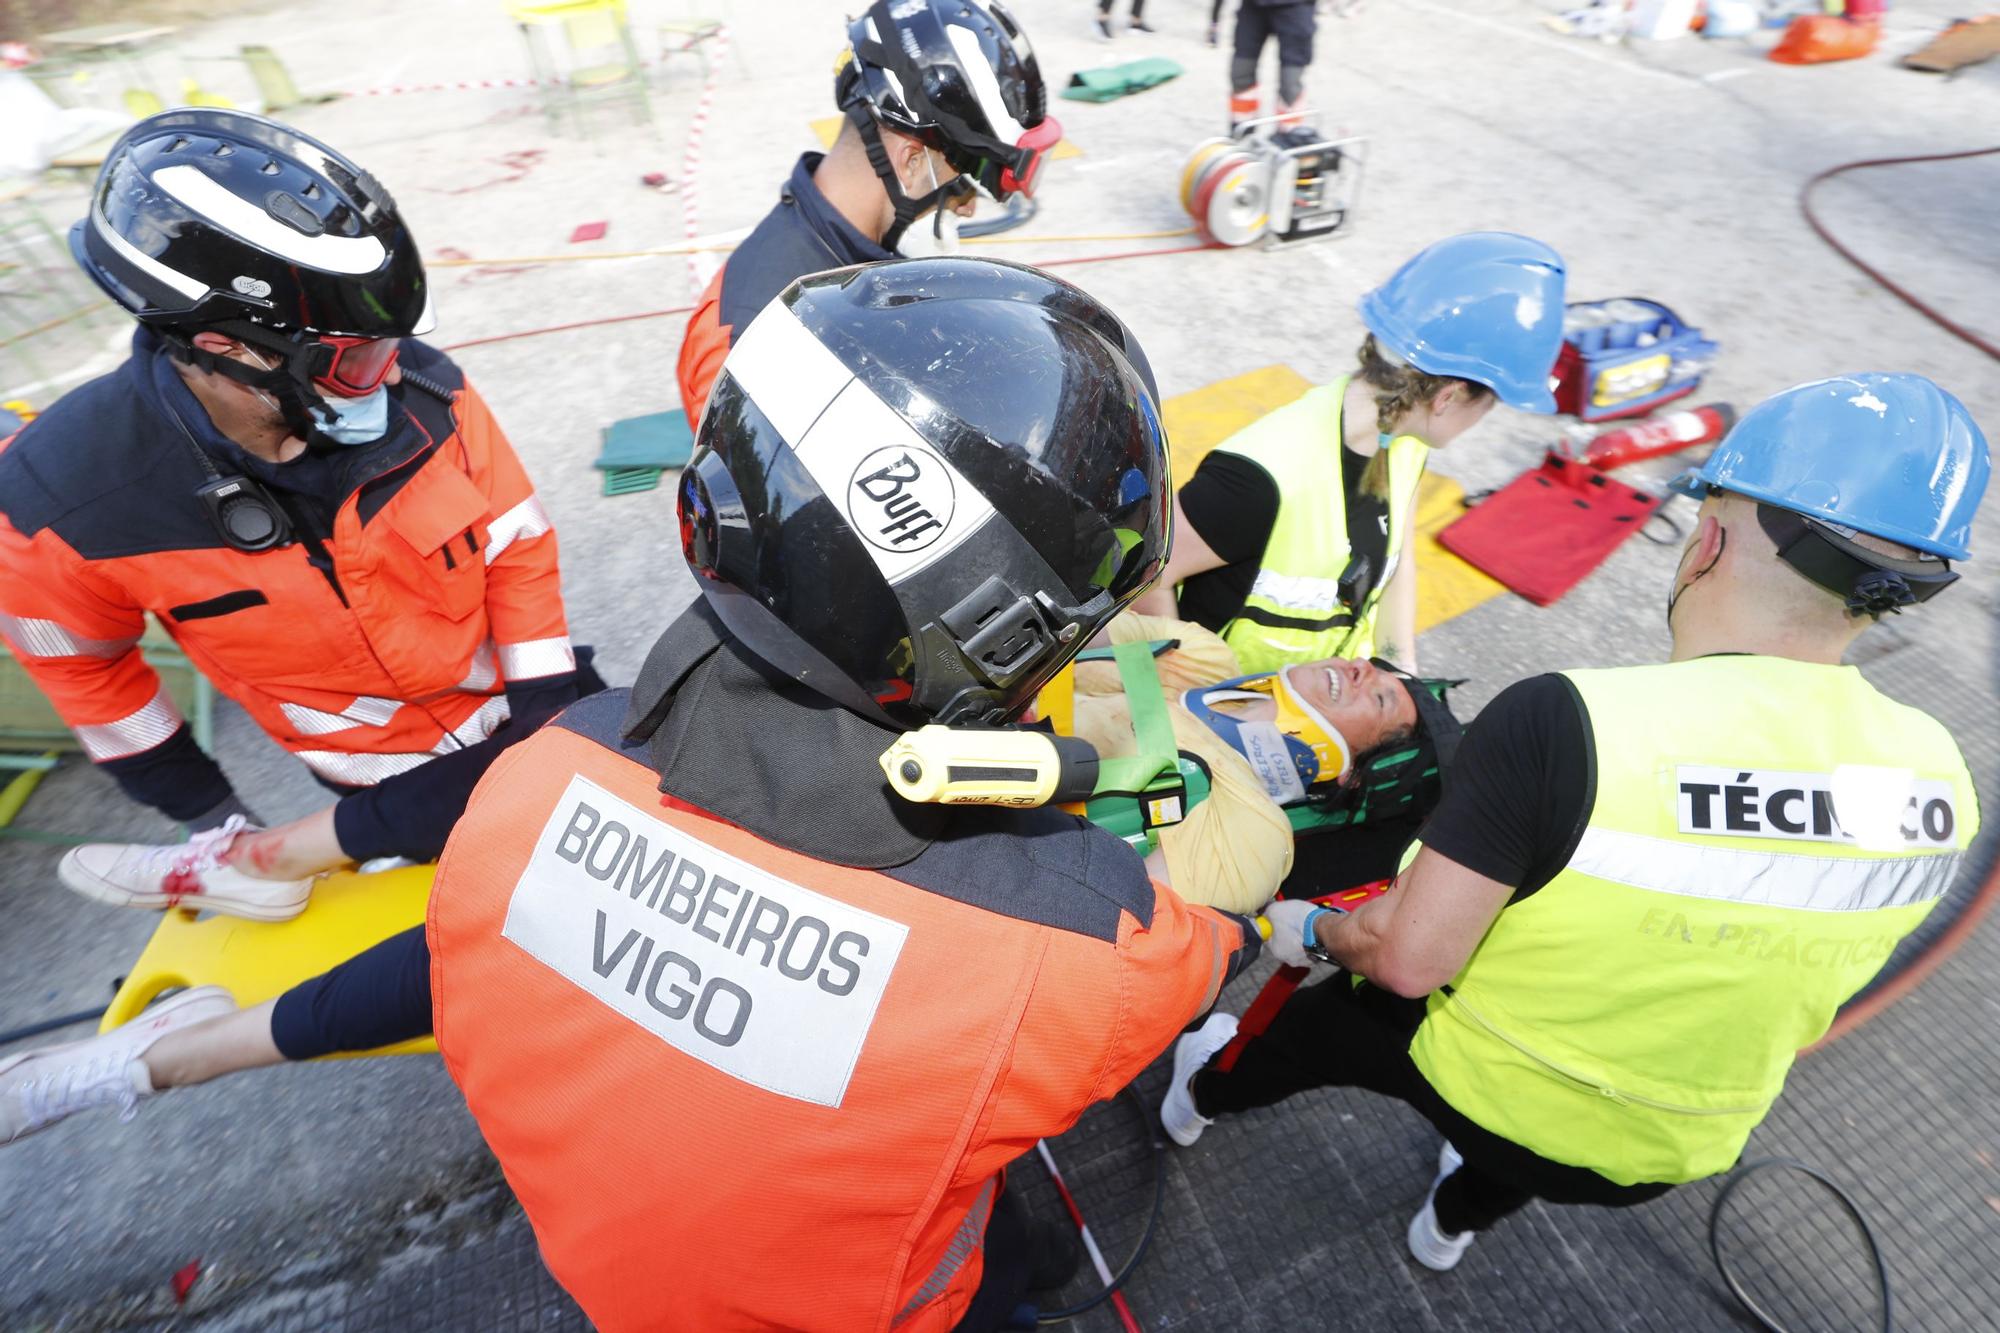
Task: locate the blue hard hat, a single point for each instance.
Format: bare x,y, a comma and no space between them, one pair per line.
1890,455
1486,306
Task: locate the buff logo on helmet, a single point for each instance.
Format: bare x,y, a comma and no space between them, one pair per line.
909,506
900,499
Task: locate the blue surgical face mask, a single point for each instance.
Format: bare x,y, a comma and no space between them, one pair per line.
357,420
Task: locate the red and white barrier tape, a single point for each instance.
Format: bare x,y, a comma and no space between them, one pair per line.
691,165
720,38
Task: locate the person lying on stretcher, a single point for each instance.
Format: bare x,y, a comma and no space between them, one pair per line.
1286,754
1277,747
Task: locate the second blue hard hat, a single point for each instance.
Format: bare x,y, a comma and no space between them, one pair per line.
1485,306
1890,455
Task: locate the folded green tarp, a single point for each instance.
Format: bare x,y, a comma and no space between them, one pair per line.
1108,83
638,448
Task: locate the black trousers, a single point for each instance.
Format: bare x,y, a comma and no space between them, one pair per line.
1104,7
1337,1035
1292,24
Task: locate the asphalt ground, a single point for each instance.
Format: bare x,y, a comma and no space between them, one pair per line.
357,1193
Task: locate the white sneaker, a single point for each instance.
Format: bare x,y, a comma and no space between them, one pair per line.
1429,1244
182,874
42,1087
1178,1117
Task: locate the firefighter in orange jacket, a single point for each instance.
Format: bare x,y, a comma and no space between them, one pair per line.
753,1041
318,508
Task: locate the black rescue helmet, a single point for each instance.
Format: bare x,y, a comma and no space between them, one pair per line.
959,77
922,486
203,218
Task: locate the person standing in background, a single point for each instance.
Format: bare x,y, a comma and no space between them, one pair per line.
1137,22
1293,23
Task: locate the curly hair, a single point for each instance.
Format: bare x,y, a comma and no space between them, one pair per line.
1399,388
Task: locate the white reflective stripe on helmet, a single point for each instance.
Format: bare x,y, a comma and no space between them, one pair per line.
526,519
30,637
907,505
429,319
985,84
537,658
135,733
194,289
1773,879
208,197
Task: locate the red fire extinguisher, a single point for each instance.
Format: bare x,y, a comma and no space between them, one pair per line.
1668,433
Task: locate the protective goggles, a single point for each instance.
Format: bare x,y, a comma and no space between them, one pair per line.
351,367
1012,170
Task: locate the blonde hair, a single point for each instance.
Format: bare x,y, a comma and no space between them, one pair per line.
1399,389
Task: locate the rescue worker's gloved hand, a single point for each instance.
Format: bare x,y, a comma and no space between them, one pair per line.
1288,931
220,813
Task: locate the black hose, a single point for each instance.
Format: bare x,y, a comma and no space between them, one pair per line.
1145,1237
50,1025
1729,1277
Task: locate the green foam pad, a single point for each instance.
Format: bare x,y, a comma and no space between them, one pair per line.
1107,83
630,480
656,440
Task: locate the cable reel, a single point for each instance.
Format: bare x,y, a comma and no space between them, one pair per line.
1273,182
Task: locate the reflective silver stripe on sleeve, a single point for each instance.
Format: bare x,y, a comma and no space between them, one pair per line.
135,733
484,672
971,1234
30,637
359,770
526,519
1771,879
365,711
365,770
537,658
485,720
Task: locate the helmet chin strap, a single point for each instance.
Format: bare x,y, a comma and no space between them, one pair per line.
907,210
286,385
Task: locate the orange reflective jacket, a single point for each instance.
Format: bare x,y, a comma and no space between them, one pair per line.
384,636
738,1088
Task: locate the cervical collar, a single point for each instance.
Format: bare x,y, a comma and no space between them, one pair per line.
1295,751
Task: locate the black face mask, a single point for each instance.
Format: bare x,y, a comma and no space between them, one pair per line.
1674,594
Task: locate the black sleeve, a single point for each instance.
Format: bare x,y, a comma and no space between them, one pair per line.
1521,789
174,777
1233,504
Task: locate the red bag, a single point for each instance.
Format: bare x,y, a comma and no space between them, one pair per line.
1814,39
1546,529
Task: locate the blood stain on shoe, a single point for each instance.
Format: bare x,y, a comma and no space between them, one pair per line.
178,883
